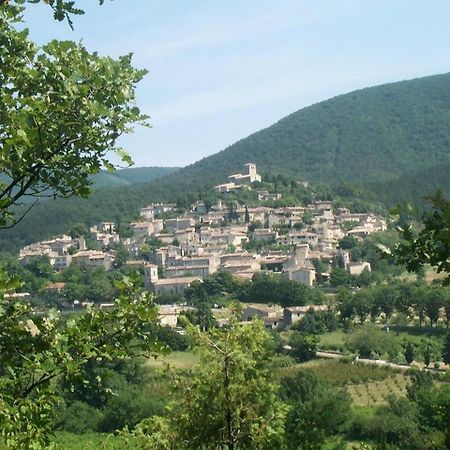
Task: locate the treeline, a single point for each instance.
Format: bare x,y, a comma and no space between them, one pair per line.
272,289
401,302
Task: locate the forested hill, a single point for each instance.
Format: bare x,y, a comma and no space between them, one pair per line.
364,137
392,139
133,175
372,134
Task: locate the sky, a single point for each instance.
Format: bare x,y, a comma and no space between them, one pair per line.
220,70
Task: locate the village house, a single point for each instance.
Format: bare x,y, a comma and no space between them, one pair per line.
356,268
56,249
198,266
61,262
264,196
264,234
179,223
59,244
103,227
166,238
28,253
293,314
302,275
227,236
93,258
260,311
200,208
295,238
147,213
168,315
161,208
169,286
272,316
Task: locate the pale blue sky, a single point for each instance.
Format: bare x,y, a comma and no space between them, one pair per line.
221,70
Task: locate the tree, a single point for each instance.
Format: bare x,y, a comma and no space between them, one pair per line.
229,400
317,410
434,302
35,351
61,112
339,277
62,9
304,346
409,352
446,349
79,230
430,245
247,215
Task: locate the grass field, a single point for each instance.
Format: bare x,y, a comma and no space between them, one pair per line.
177,360
333,341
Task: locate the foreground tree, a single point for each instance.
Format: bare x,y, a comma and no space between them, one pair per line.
61,112
431,244
228,401
317,410
37,351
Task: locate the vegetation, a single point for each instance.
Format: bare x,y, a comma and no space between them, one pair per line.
305,144
62,109
130,176
228,400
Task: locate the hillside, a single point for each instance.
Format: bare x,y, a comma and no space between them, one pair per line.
368,135
133,175
385,138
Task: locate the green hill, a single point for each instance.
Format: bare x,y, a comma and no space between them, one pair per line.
368,135
133,175
393,140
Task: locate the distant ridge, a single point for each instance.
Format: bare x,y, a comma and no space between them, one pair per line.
130,176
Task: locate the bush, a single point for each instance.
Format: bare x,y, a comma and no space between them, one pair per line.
78,417
371,342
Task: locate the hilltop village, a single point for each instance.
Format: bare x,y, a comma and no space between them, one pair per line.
189,247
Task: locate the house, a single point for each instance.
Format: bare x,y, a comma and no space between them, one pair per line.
200,208
294,238
147,213
293,314
261,311
93,258
104,227
168,315
61,262
227,187
170,286
142,230
161,208
273,323
173,286
302,275
200,271
356,268
179,223
59,244
263,196
264,234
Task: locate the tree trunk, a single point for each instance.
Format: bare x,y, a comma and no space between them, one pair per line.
228,415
